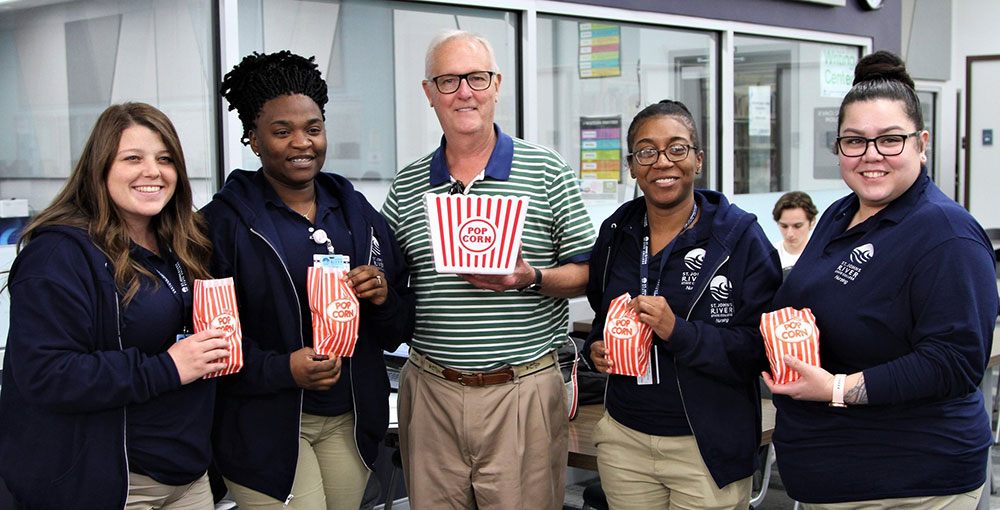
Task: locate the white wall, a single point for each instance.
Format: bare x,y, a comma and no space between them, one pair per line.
973,29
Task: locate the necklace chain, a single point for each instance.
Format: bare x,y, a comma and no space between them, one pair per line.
310,210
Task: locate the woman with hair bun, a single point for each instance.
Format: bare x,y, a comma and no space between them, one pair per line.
901,280
294,429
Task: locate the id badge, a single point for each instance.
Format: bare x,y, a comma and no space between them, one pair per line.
333,261
651,365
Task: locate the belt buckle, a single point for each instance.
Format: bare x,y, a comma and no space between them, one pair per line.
473,379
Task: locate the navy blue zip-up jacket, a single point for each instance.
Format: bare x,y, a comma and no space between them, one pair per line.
256,432
67,381
717,361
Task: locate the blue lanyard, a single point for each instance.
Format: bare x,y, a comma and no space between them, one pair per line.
664,255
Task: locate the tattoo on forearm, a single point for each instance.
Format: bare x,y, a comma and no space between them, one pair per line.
858,395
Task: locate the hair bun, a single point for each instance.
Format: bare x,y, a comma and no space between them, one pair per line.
882,65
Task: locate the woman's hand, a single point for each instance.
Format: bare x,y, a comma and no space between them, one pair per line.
369,283
815,384
313,372
598,354
199,354
656,313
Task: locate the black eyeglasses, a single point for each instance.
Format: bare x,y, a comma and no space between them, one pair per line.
675,153
449,83
886,145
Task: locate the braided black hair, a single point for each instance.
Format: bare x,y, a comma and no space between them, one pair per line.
259,78
667,107
882,75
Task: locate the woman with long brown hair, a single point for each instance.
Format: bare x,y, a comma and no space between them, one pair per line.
103,403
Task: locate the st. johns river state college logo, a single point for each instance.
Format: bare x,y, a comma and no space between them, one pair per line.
849,270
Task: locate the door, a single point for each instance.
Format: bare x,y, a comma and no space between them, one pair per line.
982,155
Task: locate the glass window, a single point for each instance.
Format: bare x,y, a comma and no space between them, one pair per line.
786,97
61,65
378,118
594,76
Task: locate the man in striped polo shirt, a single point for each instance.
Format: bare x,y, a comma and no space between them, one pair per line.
482,407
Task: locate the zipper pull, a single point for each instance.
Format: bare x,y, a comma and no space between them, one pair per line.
288,500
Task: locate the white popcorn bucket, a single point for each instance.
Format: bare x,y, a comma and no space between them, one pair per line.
626,340
793,332
477,234
215,307
334,309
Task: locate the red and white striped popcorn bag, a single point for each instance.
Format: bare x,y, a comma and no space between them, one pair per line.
793,332
334,312
477,234
215,308
626,340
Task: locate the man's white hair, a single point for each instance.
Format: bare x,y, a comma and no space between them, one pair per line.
448,35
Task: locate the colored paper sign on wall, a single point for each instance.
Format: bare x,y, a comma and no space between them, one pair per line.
600,50
600,147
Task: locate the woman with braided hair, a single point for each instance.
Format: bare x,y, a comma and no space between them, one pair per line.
294,429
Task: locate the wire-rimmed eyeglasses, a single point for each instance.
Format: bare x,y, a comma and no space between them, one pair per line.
449,83
676,152
886,145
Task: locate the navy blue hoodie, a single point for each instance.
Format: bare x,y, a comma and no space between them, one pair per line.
67,380
256,433
716,360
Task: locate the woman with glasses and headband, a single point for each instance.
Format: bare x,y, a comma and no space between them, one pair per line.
700,272
901,281
294,429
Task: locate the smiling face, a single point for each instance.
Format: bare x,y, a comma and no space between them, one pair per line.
142,177
794,226
465,112
878,179
666,184
290,138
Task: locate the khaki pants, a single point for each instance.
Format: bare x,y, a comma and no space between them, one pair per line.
488,448
329,475
643,471
965,501
144,493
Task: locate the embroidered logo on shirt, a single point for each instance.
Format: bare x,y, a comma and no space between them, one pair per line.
722,290
694,259
377,254
862,254
849,270
692,264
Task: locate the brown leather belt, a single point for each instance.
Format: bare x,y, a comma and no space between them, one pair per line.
490,378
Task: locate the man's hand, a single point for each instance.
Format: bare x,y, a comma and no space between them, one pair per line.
522,276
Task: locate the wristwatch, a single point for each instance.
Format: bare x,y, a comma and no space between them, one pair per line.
536,285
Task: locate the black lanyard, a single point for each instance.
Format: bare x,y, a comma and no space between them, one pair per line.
664,255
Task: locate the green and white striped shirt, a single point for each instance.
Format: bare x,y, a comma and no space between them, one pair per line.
465,328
